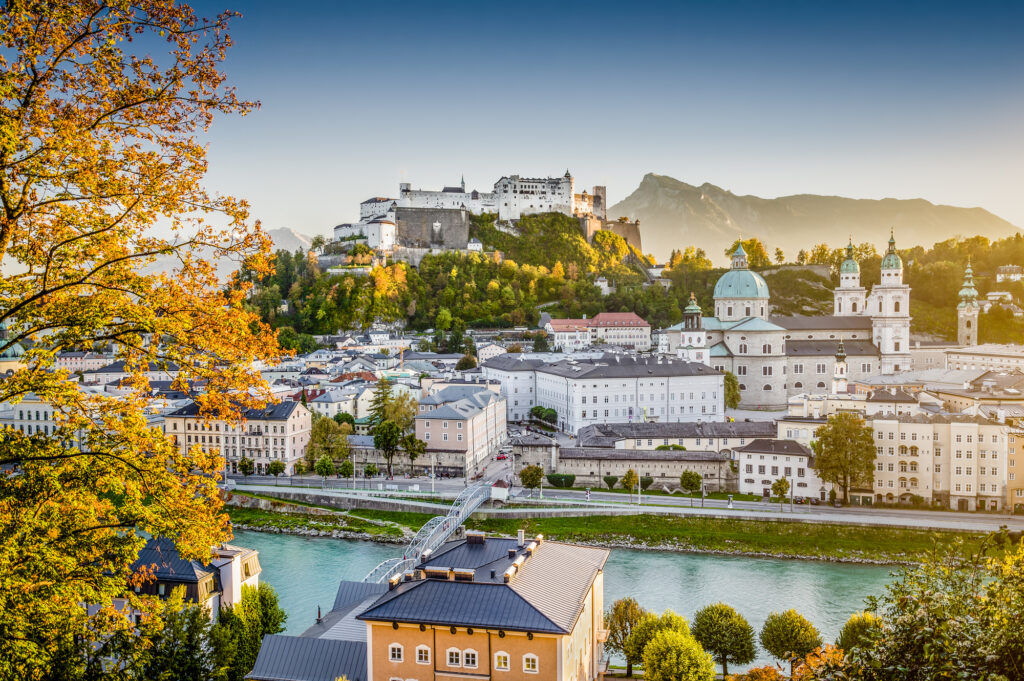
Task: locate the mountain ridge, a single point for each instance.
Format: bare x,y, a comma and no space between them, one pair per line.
674,214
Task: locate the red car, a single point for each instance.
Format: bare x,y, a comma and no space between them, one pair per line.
502,457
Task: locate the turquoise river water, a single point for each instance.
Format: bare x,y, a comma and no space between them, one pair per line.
306,571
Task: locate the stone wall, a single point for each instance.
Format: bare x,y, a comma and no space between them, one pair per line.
415,227
630,231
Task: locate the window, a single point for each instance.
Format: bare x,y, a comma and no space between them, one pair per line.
454,657
501,661
422,655
469,659
395,652
530,664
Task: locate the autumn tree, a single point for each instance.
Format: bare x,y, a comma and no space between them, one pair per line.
624,614
757,254
844,452
732,391
690,482
629,481
674,655
531,477
788,636
107,235
780,488
859,631
647,628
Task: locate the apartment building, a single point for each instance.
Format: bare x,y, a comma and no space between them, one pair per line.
462,426
278,432
479,608
1015,464
764,461
723,437
624,329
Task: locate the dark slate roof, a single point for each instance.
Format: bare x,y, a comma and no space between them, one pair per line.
118,367
169,565
350,593
513,361
802,323
295,658
460,604
640,454
765,446
272,412
829,348
532,439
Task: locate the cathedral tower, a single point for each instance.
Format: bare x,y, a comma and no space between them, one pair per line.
840,376
967,311
889,307
850,297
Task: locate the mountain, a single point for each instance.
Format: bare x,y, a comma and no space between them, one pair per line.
288,239
674,214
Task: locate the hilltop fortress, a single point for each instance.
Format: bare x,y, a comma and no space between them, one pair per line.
439,219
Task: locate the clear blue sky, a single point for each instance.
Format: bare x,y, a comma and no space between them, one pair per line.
862,99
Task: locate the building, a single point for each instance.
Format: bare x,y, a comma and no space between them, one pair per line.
478,608
488,351
75,361
686,340
462,426
627,388
723,436
991,389
990,356
622,329
777,357
1015,485
967,311
1009,273
278,432
517,375
764,461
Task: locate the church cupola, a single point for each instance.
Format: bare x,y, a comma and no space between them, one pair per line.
967,311
739,258
840,378
849,297
692,314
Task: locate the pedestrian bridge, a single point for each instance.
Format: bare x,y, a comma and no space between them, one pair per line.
433,534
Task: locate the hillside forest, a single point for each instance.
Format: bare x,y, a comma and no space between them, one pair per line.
545,264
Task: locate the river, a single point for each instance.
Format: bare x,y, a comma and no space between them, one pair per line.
306,571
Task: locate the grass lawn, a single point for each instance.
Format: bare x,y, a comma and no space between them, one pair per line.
780,538
258,518
662,493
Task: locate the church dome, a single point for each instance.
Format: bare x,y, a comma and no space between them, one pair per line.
849,265
739,283
892,261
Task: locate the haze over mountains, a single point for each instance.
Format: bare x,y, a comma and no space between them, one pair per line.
674,214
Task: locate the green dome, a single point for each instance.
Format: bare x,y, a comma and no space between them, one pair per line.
741,284
692,307
892,261
849,265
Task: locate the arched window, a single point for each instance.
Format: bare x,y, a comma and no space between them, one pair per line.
743,348
502,661
395,652
855,306
743,386
422,655
469,658
798,384
903,450
530,665
896,306
903,466
913,466
454,657
839,306
767,387
913,452
879,305
903,483
821,384
913,483
968,323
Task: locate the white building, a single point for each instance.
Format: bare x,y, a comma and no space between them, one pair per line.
764,461
1009,273
987,357
488,351
623,329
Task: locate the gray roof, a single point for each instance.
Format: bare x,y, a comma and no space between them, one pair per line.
513,361
161,555
605,434
627,366
531,439
640,454
822,322
296,658
829,348
893,396
775,446
272,412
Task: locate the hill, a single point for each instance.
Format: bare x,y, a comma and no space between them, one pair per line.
674,214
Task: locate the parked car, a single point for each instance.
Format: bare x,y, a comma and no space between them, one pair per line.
814,501
502,457
799,500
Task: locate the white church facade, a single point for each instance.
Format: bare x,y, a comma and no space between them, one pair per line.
775,357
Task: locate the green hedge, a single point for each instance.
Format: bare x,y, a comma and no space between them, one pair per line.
559,480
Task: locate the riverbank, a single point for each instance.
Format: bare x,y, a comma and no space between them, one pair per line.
714,536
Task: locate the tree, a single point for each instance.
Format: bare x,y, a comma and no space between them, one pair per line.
647,628
844,452
757,254
298,468
531,477
181,649
105,111
629,481
344,417
788,636
780,257
610,480
801,257
691,481
780,488
467,361
324,467
675,656
514,348
275,468
401,409
246,466
370,470
324,440
540,343
378,406
732,390
443,319
646,481
624,614
386,439
240,629
725,634
346,469
859,631
414,448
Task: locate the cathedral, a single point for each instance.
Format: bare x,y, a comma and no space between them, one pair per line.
777,357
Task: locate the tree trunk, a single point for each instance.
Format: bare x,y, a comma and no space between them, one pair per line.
725,669
629,669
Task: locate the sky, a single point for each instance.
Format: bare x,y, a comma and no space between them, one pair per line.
860,99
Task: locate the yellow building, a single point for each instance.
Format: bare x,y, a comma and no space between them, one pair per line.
480,608
1015,476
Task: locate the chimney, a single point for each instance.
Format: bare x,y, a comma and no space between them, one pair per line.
521,538
511,553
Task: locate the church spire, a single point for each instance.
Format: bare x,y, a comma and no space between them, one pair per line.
968,294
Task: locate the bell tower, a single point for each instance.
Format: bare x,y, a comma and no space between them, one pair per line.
967,311
840,377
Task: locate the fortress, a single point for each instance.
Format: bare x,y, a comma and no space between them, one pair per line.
420,218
